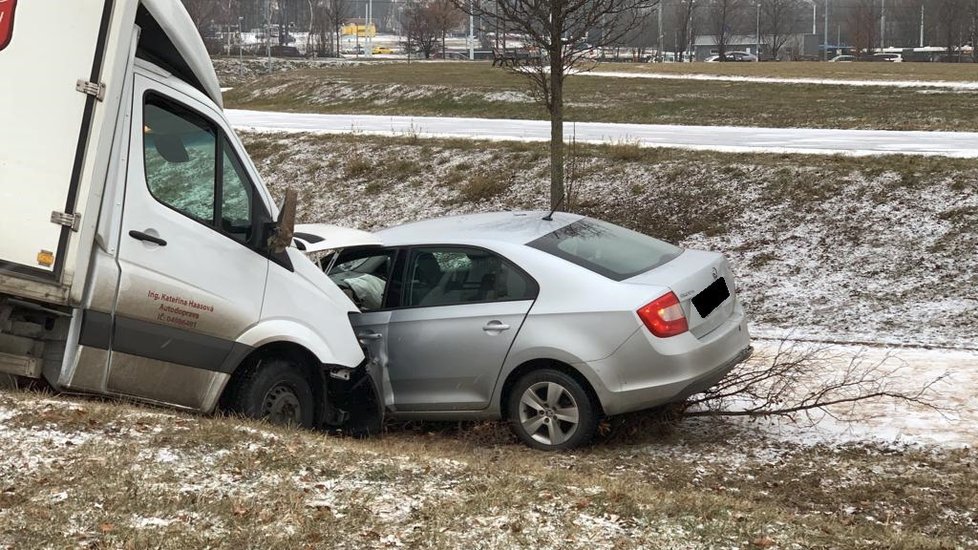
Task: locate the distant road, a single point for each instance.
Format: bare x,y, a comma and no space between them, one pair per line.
707,138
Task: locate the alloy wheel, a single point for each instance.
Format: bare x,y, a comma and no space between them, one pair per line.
549,413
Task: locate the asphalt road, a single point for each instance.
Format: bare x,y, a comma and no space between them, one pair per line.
711,138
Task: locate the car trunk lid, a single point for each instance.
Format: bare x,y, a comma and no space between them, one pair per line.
704,284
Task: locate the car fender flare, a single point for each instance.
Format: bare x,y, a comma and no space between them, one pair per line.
541,355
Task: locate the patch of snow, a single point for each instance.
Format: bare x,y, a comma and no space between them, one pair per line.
730,139
140,522
940,84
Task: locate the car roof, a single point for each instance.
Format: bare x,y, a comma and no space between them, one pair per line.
508,227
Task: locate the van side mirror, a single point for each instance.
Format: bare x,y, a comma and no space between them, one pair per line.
281,236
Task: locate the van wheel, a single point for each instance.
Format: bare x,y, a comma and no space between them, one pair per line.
551,411
274,390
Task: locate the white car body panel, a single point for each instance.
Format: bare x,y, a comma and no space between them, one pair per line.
331,237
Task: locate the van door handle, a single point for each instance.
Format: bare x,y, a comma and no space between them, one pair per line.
140,236
370,336
495,326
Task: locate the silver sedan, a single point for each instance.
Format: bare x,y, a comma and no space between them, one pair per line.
548,321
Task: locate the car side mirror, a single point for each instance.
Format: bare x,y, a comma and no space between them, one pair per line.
281,236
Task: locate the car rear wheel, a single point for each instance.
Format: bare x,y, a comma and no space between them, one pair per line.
550,410
277,391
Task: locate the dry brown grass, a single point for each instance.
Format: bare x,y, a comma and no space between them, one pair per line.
470,89
113,475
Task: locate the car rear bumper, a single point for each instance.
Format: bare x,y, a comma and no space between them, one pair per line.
646,372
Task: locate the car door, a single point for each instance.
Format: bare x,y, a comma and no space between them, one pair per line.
367,277
460,310
192,269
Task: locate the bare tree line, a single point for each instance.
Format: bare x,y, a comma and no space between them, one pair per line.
864,25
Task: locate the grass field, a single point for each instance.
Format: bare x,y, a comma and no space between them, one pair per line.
90,474
479,90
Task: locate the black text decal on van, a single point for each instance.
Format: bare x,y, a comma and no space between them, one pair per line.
7,8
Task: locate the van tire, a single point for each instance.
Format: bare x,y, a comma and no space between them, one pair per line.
275,390
551,430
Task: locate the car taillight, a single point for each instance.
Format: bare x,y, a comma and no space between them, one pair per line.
664,316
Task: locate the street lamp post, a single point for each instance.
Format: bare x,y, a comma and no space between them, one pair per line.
882,25
758,29
241,44
660,57
825,32
922,26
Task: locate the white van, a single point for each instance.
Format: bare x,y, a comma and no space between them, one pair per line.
140,254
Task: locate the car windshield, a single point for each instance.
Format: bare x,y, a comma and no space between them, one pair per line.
606,249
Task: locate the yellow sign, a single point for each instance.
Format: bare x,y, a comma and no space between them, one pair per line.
362,31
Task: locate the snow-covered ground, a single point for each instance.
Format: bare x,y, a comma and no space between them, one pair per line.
964,85
710,138
887,421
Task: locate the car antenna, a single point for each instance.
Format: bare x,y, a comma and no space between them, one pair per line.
550,217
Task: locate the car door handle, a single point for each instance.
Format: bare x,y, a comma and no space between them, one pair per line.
495,326
370,336
140,236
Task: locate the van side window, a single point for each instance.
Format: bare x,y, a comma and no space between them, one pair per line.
237,196
180,152
192,168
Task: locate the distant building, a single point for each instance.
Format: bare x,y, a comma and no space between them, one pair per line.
705,45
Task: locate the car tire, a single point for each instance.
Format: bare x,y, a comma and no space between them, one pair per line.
551,411
274,390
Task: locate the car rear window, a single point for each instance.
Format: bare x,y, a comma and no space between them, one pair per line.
606,249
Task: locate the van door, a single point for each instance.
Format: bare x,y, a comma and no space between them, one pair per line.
192,268
45,122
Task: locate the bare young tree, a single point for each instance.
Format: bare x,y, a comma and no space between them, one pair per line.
327,21
805,378
205,12
420,28
778,19
951,25
722,18
445,17
559,30
863,22
684,12
973,12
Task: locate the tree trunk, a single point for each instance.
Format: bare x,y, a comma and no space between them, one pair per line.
556,129
974,31
443,34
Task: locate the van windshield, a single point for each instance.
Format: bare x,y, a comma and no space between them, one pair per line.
606,249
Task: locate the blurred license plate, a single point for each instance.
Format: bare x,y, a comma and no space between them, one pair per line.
711,297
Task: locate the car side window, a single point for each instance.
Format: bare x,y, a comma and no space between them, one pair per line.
445,276
191,167
363,276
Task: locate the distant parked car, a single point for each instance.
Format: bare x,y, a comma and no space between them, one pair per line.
551,322
732,57
890,57
843,59
382,50
285,51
